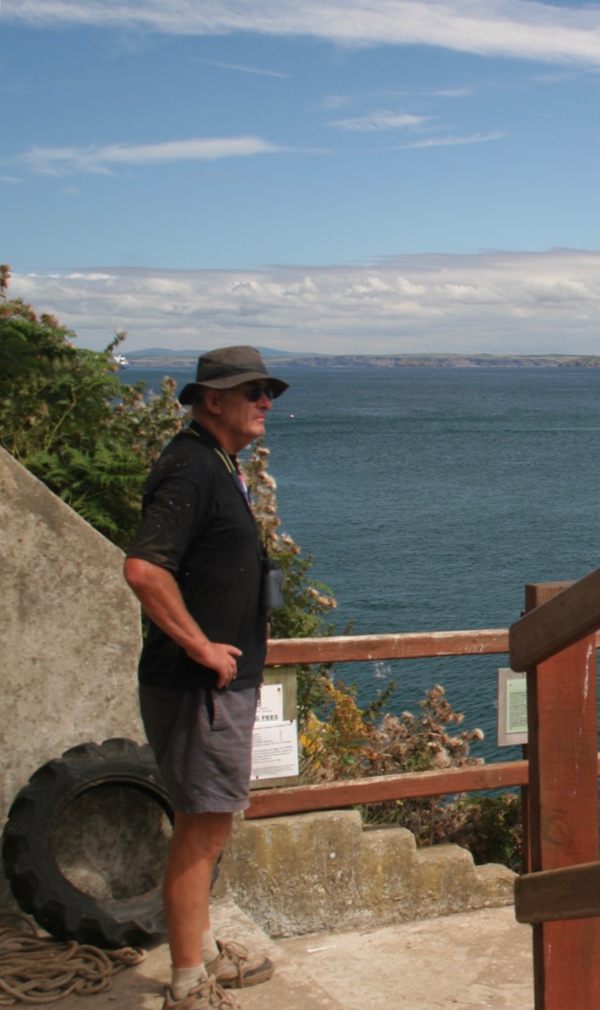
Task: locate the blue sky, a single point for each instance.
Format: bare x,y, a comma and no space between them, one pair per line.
347,176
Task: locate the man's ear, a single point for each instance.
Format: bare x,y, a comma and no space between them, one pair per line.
212,400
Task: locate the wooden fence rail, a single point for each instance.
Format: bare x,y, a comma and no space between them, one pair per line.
378,788
409,645
368,648
572,892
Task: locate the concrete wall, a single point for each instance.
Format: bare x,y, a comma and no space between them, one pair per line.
69,632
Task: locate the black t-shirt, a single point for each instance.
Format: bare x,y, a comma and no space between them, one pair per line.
197,525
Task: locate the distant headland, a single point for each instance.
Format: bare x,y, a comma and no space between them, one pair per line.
162,358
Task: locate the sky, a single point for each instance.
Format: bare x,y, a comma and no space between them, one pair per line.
341,176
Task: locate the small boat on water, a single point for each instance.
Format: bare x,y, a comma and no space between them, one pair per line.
120,360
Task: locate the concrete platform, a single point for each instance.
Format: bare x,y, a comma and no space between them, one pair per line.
468,961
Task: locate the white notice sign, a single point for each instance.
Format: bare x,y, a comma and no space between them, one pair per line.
512,708
275,750
516,705
270,705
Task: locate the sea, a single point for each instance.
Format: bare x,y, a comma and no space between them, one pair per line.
427,499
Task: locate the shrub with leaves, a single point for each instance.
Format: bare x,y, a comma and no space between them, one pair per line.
388,745
345,741
66,416
491,827
336,741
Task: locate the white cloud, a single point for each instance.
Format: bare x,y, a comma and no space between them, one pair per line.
559,289
67,160
332,102
497,302
516,28
452,92
381,120
471,294
241,68
453,141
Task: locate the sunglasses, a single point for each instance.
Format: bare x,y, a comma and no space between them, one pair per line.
255,392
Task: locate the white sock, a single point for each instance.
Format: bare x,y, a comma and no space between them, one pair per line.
184,979
209,947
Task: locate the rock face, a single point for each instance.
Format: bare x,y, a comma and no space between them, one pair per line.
322,871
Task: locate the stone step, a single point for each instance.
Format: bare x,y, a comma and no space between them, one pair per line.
323,870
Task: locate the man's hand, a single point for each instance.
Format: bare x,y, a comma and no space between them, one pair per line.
159,594
219,657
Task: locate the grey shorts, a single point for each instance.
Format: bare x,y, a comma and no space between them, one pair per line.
202,740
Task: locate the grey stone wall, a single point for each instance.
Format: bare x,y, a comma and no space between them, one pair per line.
69,632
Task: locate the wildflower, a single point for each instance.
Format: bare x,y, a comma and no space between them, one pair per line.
442,759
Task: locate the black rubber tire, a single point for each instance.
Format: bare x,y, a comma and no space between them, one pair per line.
30,865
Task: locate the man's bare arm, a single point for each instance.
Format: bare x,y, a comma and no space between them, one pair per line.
159,595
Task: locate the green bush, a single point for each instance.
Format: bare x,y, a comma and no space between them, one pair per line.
344,741
492,829
66,416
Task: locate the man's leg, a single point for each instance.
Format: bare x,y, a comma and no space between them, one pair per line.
201,765
197,841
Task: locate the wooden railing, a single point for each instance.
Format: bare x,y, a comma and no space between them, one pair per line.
421,645
410,645
555,644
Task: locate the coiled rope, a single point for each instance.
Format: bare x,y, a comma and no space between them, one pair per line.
35,968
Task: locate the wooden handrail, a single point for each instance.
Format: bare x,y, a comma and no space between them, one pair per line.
407,645
404,645
552,627
378,788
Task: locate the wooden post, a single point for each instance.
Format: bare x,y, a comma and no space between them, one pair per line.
563,810
525,804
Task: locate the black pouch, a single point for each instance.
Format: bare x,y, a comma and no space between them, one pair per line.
272,585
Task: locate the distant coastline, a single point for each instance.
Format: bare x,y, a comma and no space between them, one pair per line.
162,358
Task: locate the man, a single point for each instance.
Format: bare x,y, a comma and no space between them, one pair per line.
197,565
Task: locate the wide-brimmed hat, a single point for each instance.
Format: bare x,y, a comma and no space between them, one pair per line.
228,367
